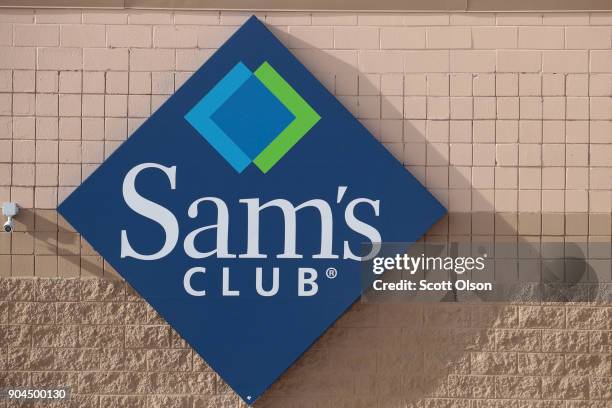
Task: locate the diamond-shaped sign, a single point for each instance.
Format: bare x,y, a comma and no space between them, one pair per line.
227,207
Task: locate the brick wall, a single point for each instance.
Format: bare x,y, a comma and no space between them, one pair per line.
506,118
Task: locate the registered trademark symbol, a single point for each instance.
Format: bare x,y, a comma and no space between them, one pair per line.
331,273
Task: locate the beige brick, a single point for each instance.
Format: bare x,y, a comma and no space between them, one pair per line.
507,108
530,107
448,37
566,18
484,131
6,81
22,265
115,129
139,82
118,36
577,132
461,108
530,84
565,61
45,197
60,58
104,17
530,155
588,364
117,82
553,84
196,17
99,59
484,85
381,61
576,201
175,36
23,81
536,363
6,104
93,105
472,61
47,81
553,154
600,19
23,151
213,37
507,154
553,108
288,18
588,37
402,37
17,58
162,83
69,174
600,131
152,60
519,19
6,34
356,37
484,108
544,38
115,105
304,37
415,107
16,15
494,37
600,85
36,35
519,61
427,61
601,61
332,18
577,108
600,108
58,16
149,17
437,85
577,85
46,151
565,387
93,82
507,85
77,35
70,82
23,174
424,19
92,152
70,128
70,152
461,85
69,105
46,175
601,155
191,60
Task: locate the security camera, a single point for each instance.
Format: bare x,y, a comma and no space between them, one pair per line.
9,210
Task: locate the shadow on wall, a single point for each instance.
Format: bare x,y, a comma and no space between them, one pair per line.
410,354
53,235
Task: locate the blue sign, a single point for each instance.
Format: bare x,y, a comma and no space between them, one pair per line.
239,209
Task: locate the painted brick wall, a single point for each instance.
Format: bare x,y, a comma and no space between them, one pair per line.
506,118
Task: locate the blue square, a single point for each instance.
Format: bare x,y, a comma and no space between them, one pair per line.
175,169
252,117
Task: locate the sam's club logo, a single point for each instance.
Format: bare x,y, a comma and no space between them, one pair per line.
252,117
239,210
